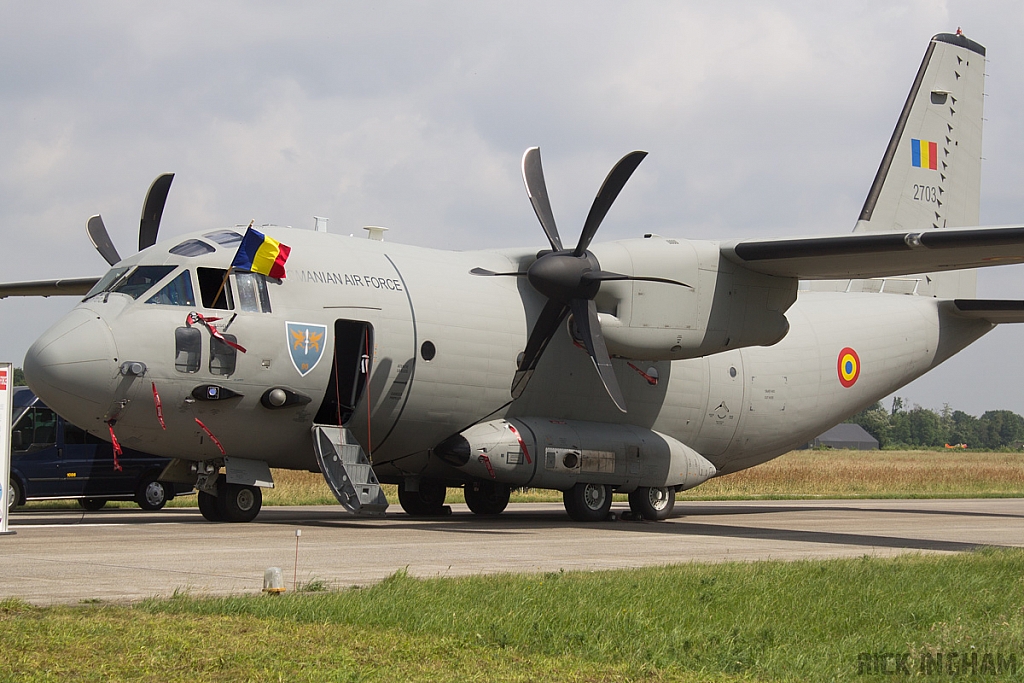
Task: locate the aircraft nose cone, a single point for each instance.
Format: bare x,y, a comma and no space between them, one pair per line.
73,367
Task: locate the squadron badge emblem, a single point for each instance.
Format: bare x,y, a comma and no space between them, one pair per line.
306,343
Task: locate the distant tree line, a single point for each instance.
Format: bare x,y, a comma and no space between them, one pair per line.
920,427
19,377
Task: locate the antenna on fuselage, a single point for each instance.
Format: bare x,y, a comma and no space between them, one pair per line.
376,232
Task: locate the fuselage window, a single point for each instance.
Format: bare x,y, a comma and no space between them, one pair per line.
140,280
177,292
215,288
188,349
192,248
252,292
222,356
225,238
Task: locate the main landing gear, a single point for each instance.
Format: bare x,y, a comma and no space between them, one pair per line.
426,501
487,497
232,502
592,502
653,503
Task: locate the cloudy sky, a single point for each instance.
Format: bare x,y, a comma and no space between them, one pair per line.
761,118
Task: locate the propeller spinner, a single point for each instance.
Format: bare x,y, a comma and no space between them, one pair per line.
571,279
149,224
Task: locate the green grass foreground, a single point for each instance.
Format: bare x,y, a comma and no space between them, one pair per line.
726,622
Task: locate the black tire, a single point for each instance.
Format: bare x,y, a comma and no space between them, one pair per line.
13,494
653,502
588,502
487,497
92,504
427,502
208,506
151,494
238,503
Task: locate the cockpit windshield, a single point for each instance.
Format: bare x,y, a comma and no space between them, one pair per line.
133,282
106,281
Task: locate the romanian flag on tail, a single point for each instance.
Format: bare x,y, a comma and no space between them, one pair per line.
261,254
925,154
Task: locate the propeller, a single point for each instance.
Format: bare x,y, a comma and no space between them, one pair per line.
149,223
571,279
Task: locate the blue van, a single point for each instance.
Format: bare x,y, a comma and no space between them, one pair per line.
52,459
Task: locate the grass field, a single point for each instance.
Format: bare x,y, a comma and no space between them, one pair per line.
800,474
859,619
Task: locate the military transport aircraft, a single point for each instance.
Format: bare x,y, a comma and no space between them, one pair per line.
377,362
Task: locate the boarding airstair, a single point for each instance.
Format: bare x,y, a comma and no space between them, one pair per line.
348,471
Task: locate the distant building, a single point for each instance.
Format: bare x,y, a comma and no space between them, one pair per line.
849,436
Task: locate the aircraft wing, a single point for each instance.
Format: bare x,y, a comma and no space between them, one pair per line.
879,254
68,286
995,311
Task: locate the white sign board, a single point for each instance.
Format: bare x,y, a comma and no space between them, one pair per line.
6,409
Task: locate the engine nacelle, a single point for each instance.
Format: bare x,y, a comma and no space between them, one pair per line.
725,307
558,454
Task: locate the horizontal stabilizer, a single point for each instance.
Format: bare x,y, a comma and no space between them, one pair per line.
68,286
995,311
879,254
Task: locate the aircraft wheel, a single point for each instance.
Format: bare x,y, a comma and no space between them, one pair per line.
654,503
208,506
92,504
427,502
238,503
588,502
13,494
150,494
487,497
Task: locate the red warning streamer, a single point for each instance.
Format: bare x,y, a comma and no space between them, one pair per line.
210,434
653,381
487,463
117,446
159,407
196,317
522,444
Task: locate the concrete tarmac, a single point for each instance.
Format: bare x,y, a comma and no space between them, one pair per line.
124,555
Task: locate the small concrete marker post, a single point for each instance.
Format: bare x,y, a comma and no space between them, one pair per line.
6,410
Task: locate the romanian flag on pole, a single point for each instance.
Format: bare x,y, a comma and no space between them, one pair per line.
261,254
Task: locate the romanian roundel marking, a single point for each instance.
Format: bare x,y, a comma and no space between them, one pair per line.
849,367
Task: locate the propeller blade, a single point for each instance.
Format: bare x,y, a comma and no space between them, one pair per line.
153,209
101,240
604,275
584,314
610,189
537,190
543,330
484,271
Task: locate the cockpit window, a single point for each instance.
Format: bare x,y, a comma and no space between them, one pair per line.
192,248
225,238
177,292
252,292
215,288
140,280
106,281
133,282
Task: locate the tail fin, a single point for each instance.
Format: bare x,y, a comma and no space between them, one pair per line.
930,176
